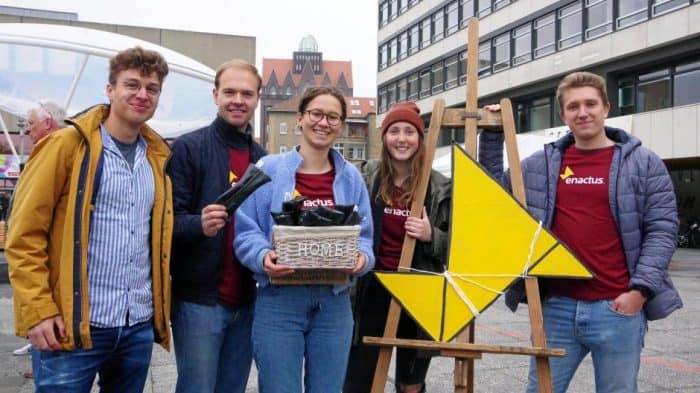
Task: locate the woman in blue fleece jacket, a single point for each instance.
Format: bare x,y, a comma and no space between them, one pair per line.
303,325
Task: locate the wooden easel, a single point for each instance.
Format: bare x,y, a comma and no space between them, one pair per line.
464,350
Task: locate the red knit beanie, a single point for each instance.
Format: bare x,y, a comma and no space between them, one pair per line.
403,111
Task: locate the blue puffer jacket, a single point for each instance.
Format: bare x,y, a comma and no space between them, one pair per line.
254,222
642,201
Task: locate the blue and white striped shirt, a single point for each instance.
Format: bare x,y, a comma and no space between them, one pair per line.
119,252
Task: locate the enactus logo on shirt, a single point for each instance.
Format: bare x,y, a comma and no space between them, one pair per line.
570,178
396,212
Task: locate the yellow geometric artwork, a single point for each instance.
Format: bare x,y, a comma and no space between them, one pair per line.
493,242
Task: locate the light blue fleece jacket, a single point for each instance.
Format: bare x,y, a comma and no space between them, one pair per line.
254,222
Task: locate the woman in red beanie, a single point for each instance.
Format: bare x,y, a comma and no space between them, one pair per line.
391,182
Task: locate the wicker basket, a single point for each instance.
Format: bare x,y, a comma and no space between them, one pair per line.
331,247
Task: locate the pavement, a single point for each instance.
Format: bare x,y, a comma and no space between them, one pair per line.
670,360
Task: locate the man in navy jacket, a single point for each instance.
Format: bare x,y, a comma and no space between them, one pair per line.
213,293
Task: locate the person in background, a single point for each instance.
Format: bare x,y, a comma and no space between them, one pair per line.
42,119
611,201
213,293
89,240
391,182
303,326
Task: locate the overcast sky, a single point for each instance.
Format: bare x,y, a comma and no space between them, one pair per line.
344,29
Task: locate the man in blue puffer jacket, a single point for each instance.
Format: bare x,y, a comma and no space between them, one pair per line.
611,201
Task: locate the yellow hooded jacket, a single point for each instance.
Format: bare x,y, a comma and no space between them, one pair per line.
47,240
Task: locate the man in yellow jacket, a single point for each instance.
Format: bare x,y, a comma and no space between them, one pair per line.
89,240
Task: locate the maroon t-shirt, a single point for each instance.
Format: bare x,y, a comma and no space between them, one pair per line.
318,188
584,222
393,232
237,285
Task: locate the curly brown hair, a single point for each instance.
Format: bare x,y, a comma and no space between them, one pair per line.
148,61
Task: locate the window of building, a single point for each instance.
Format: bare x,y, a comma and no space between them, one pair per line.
283,128
283,148
340,148
485,58
393,9
393,50
383,13
659,7
544,35
534,114
356,131
452,12
425,83
501,52
438,77
414,39
354,102
625,96
356,152
498,4
522,44
451,72
371,103
426,32
685,84
403,45
438,25
462,66
381,98
598,17
403,89
297,130
403,6
383,56
483,7
413,87
390,95
467,11
631,12
654,91
570,25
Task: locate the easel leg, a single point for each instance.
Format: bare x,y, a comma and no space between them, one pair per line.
464,368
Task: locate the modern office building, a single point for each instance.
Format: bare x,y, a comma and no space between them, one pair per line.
648,50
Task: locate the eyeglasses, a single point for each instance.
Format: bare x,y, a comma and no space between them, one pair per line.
135,87
316,115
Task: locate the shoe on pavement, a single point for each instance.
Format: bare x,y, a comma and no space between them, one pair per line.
23,350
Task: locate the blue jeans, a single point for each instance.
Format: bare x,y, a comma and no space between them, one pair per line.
213,350
120,355
614,340
301,326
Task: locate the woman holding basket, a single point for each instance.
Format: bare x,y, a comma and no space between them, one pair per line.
306,326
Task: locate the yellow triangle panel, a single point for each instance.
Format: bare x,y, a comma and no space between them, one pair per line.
425,305
560,263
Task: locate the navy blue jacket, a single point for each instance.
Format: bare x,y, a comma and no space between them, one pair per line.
199,169
642,201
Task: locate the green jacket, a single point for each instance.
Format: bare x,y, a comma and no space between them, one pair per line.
47,240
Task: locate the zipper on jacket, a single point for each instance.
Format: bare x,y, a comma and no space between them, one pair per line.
77,249
162,240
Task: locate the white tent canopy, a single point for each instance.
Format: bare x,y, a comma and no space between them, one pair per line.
70,65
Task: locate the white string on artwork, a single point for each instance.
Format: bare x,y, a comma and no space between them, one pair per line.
450,277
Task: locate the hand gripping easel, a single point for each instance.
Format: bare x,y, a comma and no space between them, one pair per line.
464,350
